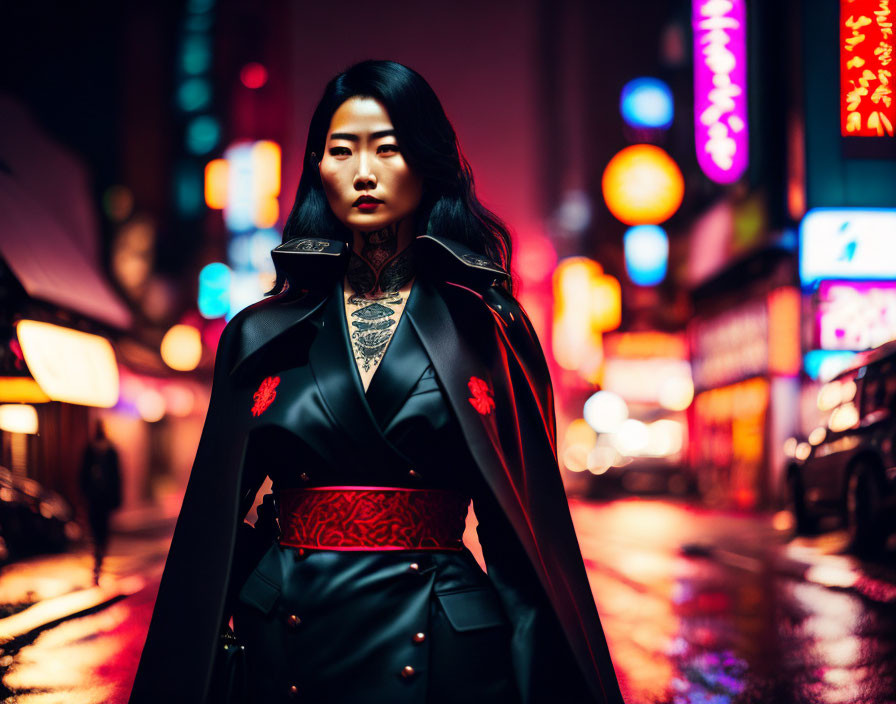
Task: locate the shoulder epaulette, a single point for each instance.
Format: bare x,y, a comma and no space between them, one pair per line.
309,262
452,261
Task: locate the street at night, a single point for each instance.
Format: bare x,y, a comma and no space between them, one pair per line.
286,288
699,607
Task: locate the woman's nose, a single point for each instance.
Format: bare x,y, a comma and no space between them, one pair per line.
364,178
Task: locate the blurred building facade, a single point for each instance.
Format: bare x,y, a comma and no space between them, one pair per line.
710,359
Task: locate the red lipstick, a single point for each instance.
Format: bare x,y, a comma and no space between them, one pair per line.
367,204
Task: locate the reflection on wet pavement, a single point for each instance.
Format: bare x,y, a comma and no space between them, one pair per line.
707,607
699,607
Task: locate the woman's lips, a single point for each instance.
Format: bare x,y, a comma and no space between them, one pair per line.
368,207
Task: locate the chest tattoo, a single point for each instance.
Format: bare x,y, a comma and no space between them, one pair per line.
373,323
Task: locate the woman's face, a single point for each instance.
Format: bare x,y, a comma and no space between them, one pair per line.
362,157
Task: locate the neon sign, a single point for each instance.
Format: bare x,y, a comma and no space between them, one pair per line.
246,185
847,243
731,346
856,315
867,108
720,88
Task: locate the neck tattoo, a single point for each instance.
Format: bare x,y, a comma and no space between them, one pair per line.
376,277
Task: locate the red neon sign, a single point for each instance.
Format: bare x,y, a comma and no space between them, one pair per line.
867,108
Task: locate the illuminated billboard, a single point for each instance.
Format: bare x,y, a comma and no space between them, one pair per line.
856,315
847,243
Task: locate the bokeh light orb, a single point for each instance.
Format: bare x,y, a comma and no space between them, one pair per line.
151,405
605,411
182,347
536,257
601,458
632,437
643,185
253,75
646,254
647,102
665,437
676,393
580,433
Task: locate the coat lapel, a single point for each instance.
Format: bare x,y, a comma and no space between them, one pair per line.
364,416
275,317
400,369
456,366
336,375
502,422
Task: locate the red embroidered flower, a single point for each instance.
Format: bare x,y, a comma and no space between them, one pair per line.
482,399
265,395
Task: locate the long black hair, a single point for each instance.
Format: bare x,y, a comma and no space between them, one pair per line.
428,143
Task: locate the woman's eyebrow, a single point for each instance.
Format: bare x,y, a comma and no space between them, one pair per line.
354,138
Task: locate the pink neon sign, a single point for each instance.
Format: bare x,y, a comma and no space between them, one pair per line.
856,315
720,88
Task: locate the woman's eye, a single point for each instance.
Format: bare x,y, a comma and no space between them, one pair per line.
388,147
339,151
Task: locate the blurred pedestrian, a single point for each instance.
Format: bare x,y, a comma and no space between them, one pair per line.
101,484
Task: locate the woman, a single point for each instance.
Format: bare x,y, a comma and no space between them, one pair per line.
389,379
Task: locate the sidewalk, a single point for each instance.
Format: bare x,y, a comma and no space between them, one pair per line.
42,590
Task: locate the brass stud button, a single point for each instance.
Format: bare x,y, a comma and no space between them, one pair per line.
419,638
293,692
407,672
304,477
293,621
414,567
414,473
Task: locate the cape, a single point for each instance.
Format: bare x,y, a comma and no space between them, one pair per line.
489,361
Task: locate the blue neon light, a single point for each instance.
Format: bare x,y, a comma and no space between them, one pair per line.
827,363
647,102
214,290
646,254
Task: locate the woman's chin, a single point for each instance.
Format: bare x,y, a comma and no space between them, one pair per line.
368,223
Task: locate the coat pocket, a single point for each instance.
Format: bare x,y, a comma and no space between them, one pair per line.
263,586
472,609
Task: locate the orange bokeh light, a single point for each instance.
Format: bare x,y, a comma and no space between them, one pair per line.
643,185
216,173
587,303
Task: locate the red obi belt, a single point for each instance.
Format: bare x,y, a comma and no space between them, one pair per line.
372,518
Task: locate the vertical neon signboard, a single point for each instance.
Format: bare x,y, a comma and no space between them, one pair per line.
867,108
720,88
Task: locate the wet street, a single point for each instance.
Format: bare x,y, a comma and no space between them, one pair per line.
698,606
701,606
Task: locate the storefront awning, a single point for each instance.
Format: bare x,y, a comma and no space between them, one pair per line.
48,232
48,264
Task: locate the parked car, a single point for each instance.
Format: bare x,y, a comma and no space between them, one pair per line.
847,469
33,519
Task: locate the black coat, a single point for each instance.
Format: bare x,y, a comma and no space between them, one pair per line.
490,363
